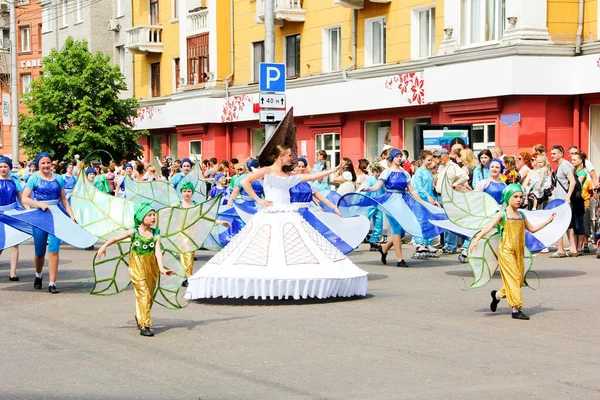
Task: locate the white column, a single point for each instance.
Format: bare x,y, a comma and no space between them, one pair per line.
526,21
182,11
212,40
451,27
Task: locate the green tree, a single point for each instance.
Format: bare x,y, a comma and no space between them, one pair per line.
74,107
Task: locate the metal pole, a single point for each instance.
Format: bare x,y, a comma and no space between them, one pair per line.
269,49
14,84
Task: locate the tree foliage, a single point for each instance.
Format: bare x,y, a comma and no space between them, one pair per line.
74,107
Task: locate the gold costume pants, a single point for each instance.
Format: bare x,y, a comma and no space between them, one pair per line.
143,271
511,258
187,262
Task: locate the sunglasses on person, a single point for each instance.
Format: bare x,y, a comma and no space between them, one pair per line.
240,169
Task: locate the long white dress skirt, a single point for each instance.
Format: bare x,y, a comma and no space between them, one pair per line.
278,255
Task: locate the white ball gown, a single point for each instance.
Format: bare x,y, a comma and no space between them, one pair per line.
278,255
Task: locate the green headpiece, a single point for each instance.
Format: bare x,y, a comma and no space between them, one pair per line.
186,185
140,211
510,190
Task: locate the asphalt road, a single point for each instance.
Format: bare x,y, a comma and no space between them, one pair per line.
415,336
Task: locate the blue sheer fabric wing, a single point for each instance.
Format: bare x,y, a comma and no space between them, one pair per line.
225,235
552,232
55,222
407,212
246,210
344,233
332,196
10,236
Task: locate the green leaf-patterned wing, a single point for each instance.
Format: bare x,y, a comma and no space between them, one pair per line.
160,194
484,260
185,229
169,292
196,177
111,274
471,210
100,214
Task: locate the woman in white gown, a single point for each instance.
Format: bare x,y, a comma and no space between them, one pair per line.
278,254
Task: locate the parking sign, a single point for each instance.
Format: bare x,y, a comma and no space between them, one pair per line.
272,77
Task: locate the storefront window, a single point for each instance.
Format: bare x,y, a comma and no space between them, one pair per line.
377,135
173,145
257,140
483,136
156,146
409,135
595,133
330,142
196,150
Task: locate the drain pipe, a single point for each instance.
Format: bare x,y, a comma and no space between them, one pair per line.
353,65
579,39
231,50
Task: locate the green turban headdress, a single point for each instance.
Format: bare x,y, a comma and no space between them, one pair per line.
186,185
140,211
510,190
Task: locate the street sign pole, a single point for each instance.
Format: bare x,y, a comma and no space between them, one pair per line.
269,48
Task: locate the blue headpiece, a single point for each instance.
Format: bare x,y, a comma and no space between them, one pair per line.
90,170
252,163
128,165
6,160
499,161
218,176
393,154
187,160
41,155
304,160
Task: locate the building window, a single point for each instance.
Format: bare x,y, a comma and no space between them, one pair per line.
258,56
177,74
330,142
119,8
423,33
65,13
121,50
46,19
25,39
155,79
292,56
483,136
78,10
175,10
39,38
257,141
174,145
481,21
153,12
375,41
195,149
332,49
197,55
377,135
156,146
5,39
26,83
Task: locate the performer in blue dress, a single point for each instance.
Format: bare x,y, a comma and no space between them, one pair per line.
48,190
186,166
404,208
69,180
10,191
121,183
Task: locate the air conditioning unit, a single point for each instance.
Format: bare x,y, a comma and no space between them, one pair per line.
113,25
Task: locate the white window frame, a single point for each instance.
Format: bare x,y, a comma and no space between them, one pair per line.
64,13
415,32
119,8
369,51
25,39
486,144
78,14
174,10
328,65
190,154
465,25
334,154
26,87
122,58
5,40
252,61
46,18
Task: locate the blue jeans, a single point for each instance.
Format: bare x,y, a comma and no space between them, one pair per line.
450,240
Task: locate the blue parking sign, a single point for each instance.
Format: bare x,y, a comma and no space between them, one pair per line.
272,77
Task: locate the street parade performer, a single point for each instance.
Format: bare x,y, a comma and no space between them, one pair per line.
511,225
278,254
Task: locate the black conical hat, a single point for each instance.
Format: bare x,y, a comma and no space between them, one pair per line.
285,134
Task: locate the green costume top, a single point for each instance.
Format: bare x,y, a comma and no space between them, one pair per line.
101,183
143,246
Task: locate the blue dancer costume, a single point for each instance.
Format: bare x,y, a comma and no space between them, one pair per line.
9,188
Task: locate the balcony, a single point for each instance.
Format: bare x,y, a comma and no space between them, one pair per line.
354,4
197,22
381,1
144,39
285,10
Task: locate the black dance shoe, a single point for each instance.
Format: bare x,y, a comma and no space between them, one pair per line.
519,315
37,283
146,332
13,278
402,264
495,301
185,283
53,290
383,255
